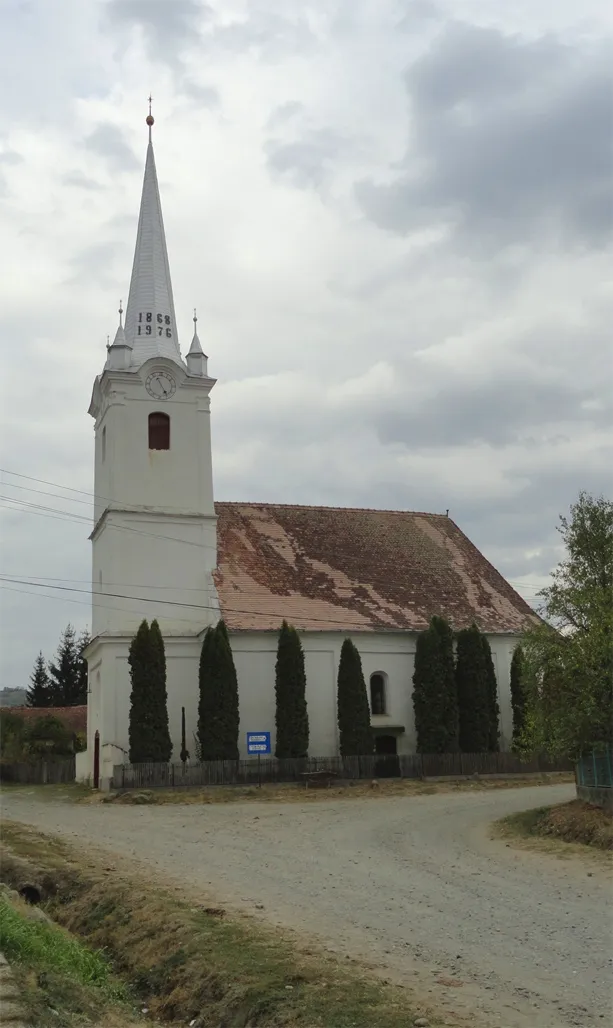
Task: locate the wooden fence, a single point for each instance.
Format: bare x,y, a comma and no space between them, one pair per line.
248,772
44,772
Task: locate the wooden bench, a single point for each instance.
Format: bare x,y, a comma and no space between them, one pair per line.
318,778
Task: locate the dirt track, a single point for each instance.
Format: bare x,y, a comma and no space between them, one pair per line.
414,885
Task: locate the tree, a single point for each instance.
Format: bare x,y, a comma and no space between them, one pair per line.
148,734
518,700
493,745
12,734
68,682
158,697
568,658
82,644
352,703
39,692
435,700
292,721
48,737
218,715
471,683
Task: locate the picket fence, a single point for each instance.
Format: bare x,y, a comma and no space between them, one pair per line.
43,772
249,772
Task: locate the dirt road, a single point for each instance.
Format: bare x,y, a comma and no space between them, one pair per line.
414,885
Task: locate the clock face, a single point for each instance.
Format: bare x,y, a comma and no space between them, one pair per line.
160,385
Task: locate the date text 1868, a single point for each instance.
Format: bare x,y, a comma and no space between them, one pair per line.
147,324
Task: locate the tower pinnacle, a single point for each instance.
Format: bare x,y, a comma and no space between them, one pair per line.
150,120
150,323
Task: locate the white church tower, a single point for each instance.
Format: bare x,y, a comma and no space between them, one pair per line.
154,538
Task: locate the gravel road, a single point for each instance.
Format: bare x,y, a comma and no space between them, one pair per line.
489,934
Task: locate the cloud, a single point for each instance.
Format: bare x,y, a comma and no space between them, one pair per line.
81,181
108,141
509,143
307,161
457,359
206,96
168,28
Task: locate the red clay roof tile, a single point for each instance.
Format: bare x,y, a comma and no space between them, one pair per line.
357,570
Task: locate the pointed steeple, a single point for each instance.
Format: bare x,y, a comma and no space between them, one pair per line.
196,357
151,327
119,354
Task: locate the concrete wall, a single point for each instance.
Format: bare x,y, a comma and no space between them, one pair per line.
391,654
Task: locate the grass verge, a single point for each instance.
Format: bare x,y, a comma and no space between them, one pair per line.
193,964
285,792
292,793
61,982
576,824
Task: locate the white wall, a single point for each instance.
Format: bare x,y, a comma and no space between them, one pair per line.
255,656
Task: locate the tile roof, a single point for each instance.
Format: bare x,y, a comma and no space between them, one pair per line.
74,718
349,570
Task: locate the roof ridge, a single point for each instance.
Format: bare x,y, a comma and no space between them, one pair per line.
319,506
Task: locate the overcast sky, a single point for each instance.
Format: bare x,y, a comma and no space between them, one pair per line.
394,218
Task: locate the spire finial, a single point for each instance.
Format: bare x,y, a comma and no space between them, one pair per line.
108,343
120,313
150,119
195,319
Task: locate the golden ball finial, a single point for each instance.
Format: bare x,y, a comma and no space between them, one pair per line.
150,120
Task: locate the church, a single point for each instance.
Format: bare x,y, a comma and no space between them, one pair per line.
163,548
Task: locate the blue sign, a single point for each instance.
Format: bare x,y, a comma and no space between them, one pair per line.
258,742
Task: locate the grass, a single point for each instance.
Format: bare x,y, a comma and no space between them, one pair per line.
284,792
49,948
293,793
566,827
188,962
61,982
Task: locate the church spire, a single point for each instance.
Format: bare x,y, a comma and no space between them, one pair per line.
151,327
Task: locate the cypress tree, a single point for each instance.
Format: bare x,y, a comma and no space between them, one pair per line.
39,694
518,699
471,682
161,746
492,697
218,715
139,726
65,674
352,703
434,690
292,721
148,732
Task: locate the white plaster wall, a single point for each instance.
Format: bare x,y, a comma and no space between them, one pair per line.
133,475
255,656
164,562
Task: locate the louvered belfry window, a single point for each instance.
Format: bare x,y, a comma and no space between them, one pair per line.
159,431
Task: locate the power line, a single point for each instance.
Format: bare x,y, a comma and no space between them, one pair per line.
59,515
179,603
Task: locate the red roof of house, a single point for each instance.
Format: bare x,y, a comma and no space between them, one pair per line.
336,569
74,718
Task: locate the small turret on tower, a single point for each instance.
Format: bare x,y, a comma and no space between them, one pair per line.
120,351
196,357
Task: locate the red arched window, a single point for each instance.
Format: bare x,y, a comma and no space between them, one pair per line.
159,431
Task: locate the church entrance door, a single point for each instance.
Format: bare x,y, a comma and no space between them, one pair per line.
388,766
